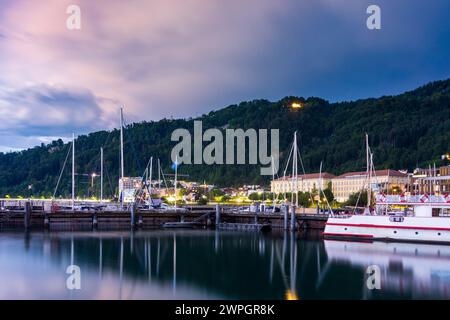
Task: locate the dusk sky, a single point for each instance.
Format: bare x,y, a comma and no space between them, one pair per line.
167,58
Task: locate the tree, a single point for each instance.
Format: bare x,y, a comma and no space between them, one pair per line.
254,196
202,201
328,193
304,199
358,199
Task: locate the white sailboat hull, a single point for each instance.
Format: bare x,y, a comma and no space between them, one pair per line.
366,227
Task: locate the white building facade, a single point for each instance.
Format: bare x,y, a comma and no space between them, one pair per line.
305,183
352,182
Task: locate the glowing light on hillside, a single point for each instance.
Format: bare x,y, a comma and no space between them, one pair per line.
296,105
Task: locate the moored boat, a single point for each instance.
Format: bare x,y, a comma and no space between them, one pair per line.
421,227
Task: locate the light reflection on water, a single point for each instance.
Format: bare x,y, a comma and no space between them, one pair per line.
189,264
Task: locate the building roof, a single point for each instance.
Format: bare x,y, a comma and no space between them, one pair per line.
325,175
378,173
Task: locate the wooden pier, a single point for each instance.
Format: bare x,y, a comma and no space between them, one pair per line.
196,217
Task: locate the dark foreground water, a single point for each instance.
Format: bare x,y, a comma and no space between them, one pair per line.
187,264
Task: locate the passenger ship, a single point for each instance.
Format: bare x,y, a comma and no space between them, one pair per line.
428,221
426,218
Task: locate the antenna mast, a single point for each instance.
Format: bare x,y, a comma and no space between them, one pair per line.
73,171
101,174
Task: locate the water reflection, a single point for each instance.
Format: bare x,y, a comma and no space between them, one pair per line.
408,270
188,264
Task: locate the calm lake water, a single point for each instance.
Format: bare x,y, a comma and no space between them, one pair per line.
190,264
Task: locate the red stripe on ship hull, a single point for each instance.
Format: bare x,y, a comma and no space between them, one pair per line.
348,235
384,226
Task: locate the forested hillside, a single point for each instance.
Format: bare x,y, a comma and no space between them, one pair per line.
405,131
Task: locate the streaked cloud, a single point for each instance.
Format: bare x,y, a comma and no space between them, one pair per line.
165,58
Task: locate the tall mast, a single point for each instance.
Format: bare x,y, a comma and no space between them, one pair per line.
101,174
369,191
295,170
430,180
150,180
73,171
273,179
434,177
122,171
159,177
175,187
320,181
370,178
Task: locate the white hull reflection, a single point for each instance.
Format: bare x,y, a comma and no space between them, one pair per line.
389,228
422,270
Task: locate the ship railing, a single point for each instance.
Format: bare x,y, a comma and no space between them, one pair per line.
340,216
422,198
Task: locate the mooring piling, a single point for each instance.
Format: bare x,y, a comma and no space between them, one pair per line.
94,221
132,211
293,222
286,215
217,215
46,221
27,217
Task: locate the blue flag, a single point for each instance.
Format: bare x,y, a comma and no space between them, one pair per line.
175,165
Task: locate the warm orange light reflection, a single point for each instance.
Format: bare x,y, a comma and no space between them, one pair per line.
290,295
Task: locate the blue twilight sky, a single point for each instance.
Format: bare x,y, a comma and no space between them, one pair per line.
181,58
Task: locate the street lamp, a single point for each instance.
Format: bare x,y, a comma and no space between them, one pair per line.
93,175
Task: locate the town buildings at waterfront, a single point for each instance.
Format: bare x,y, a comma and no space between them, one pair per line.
420,181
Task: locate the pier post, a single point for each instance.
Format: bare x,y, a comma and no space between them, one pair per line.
27,216
94,221
132,209
293,222
217,215
46,221
286,214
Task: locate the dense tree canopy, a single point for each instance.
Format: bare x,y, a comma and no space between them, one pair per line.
405,131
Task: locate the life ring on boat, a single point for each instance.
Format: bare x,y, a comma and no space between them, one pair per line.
402,198
382,198
424,198
447,198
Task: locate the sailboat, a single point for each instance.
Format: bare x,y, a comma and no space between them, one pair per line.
424,224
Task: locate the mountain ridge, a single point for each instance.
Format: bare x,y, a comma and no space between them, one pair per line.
405,130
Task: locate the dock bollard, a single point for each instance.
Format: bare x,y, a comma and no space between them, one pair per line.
293,222
217,215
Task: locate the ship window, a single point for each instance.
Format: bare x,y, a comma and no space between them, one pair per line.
439,233
345,228
396,218
395,231
417,232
